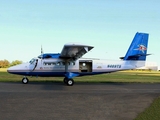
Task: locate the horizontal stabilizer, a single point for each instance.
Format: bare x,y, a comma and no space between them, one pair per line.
135,57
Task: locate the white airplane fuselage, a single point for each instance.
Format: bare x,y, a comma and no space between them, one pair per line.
54,67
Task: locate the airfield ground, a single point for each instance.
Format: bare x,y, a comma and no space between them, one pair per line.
121,95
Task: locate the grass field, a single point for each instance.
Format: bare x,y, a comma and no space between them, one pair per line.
125,76
151,113
3,69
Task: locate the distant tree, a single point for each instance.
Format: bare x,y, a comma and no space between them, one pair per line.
1,63
4,63
15,62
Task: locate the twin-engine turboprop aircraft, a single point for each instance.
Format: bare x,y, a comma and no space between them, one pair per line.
69,63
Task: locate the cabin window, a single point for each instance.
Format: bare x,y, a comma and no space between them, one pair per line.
73,63
63,63
53,63
58,63
49,63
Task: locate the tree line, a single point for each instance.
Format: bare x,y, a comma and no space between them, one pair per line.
6,63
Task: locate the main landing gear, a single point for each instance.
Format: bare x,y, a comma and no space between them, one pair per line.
25,80
68,82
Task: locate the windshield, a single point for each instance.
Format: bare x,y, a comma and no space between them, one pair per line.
32,61
40,56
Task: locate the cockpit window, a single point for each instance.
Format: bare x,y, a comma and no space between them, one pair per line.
32,61
40,56
44,56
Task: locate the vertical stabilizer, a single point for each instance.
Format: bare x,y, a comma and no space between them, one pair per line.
138,47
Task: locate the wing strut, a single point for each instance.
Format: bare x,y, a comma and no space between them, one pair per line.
66,66
69,75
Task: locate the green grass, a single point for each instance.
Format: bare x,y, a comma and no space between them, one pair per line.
152,112
3,69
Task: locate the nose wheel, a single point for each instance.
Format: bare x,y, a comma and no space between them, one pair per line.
25,80
68,82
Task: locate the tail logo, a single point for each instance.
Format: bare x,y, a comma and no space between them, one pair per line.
141,48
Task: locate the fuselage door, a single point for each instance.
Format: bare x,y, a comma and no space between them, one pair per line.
33,64
85,65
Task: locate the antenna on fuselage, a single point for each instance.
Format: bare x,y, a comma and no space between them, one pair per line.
41,54
41,51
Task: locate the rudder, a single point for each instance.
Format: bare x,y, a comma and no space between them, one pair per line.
138,47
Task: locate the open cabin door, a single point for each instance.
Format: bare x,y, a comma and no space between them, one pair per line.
85,66
33,64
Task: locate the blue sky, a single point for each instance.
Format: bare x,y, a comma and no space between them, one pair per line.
108,25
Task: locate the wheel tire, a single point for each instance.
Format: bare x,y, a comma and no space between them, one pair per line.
25,80
65,80
70,82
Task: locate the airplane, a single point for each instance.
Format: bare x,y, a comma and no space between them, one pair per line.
69,63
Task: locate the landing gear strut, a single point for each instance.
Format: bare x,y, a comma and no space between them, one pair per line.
68,82
25,80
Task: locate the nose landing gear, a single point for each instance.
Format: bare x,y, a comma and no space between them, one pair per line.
25,80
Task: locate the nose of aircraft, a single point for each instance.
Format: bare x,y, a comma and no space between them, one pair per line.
11,69
18,68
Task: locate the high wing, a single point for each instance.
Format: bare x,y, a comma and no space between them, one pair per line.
73,51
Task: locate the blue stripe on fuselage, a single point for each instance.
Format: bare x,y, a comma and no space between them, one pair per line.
55,74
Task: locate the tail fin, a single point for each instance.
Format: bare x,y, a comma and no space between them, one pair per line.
138,48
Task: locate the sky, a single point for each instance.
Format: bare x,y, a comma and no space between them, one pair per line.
108,25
